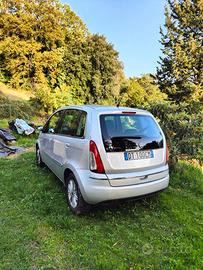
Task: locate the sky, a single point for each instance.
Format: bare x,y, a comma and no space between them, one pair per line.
132,26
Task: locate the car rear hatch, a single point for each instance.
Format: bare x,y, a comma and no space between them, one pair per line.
134,146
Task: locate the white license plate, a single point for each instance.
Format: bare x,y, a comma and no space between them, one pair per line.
139,155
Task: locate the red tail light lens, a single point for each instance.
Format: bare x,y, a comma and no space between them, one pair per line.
167,154
96,164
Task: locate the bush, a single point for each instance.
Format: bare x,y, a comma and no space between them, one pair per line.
183,127
47,100
15,109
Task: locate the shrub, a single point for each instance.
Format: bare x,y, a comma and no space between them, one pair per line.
15,109
183,127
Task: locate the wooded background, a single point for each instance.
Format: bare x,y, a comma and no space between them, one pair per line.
46,49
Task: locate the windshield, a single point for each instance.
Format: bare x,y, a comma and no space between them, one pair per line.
121,132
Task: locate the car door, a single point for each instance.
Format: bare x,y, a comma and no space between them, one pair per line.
50,129
69,143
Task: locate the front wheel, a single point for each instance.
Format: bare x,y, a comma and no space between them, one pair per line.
74,197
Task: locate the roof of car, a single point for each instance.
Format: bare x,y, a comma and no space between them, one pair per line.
101,108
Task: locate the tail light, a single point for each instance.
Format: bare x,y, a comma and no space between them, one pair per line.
167,154
96,164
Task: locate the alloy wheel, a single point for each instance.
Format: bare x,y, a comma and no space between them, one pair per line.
72,193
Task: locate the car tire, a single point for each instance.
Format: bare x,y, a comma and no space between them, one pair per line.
39,161
74,197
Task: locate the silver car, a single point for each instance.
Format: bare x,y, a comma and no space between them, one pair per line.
104,153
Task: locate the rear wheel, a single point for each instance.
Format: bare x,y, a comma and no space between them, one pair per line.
39,161
74,197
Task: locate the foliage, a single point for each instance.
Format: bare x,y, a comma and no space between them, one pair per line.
46,47
15,108
50,99
39,232
180,73
183,127
33,38
139,92
93,71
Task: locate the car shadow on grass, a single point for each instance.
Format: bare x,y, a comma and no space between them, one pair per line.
124,206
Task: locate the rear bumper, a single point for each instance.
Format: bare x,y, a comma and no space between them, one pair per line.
95,191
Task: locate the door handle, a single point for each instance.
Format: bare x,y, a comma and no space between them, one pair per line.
67,145
143,177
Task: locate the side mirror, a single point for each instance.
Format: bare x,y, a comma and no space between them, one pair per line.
51,130
40,128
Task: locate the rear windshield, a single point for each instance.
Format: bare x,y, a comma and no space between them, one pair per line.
121,132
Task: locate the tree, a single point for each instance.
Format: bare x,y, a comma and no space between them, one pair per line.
183,127
180,74
106,70
34,34
94,71
139,92
46,48
31,41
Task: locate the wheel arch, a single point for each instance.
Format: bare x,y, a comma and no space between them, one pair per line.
66,173
69,168
37,144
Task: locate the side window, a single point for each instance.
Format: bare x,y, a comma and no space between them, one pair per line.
81,127
73,123
54,124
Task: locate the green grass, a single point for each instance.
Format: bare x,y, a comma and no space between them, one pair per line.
24,140
3,123
39,232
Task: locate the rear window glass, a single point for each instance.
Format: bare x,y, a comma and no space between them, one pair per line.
122,132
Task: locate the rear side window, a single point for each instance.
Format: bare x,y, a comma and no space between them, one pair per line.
123,132
73,123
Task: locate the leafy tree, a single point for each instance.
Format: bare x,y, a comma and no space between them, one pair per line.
180,74
106,70
45,47
31,40
183,127
34,34
139,92
93,70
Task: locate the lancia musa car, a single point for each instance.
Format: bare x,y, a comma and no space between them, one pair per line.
104,153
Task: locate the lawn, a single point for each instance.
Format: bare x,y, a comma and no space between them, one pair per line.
38,231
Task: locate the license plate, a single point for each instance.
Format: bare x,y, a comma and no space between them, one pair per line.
139,155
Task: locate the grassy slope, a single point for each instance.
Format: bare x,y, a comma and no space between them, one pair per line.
14,94
19,95
15,103
38,231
